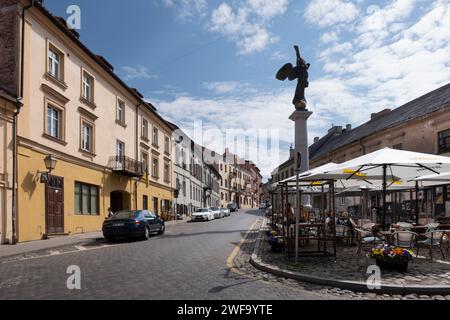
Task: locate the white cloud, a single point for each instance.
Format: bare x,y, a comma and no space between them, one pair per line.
268,9
380,23
187,10
228,87
247,24
133,73
400,63
325,13
278,55
328,37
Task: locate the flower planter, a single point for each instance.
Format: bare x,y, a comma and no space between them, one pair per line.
276,247
393,264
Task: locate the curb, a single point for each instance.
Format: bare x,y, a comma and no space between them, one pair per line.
256,262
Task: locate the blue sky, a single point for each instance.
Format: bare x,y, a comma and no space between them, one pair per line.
216,61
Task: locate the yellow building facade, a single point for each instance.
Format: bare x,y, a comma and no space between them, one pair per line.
112,149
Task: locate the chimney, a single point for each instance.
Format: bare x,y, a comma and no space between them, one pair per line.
291,152
348,127
378,115
335,129
316,139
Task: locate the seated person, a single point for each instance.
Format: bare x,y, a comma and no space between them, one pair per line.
351,224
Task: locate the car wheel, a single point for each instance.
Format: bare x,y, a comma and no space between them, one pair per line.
162,230
110,239
146,234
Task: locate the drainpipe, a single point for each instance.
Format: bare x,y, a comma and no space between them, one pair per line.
16,114
136,155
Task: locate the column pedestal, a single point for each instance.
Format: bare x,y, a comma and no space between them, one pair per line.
300,118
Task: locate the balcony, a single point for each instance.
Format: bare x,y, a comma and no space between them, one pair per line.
126,166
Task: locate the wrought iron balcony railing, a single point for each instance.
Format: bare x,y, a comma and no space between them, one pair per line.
126,166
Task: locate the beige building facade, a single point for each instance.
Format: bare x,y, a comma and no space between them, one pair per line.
112,149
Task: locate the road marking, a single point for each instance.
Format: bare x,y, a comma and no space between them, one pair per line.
234,253
80,248
55,253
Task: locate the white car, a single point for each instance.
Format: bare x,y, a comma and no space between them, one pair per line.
226,212
203,214
217,213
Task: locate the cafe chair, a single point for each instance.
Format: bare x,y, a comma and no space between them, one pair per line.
433,239
366,239
404,239
343,233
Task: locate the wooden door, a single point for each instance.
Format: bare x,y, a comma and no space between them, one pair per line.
54,214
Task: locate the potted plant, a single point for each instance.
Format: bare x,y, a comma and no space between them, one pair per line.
275,241
391,258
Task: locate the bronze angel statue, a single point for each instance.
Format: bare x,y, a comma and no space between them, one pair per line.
299,72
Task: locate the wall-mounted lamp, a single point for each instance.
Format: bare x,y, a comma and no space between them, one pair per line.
50,164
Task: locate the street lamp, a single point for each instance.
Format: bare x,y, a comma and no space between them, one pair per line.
50,164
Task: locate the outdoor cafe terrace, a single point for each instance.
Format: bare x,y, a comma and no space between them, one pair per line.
409,245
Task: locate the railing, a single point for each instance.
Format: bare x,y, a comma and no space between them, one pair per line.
126,166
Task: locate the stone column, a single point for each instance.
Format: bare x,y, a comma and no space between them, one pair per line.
300,118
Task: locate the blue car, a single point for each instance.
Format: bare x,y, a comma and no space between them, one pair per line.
135,224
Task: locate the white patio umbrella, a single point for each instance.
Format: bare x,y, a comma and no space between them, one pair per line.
434,179
313,171
393,167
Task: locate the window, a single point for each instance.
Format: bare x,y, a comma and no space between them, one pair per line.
155,168
120,151
166,145
444,141
55,63
53,122
86,199
87,87
87,136
166,172
144,128
120,111
145,202
155,136
221,195
184,188
155,205
144,159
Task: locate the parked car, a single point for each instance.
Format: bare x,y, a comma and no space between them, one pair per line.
226,212
217,213
133,223
262,206
233,207
203,214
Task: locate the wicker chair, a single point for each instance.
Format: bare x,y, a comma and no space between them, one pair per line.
405,239
366,239
433,239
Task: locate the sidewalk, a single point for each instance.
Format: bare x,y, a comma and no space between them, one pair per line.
62,241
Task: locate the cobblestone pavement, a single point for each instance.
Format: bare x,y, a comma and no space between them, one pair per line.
349,266
188,262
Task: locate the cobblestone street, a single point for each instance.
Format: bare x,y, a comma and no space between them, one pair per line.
188,262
